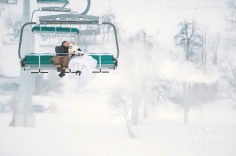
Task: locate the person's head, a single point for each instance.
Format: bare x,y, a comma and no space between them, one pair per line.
71,44
65,44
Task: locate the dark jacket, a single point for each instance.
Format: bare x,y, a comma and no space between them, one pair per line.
61,50
61,61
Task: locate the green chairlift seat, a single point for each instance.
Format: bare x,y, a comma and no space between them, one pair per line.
36,61
55,29
33,60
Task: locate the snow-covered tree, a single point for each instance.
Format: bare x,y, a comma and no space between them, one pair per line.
229,67
209,50
232,16
189,38
191,95
204,50
230,77
13,23
215,44
132,97
2,8
108,17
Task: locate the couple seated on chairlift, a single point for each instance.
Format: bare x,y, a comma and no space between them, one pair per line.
69,55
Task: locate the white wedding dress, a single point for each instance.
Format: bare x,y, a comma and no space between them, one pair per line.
86,64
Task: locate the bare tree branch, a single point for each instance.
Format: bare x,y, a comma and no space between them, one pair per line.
189,39
2,8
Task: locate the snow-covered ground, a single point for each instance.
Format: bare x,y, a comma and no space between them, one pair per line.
79,125
84,123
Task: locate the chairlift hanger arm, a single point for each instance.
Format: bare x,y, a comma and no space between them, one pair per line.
115,32
87,9
21,36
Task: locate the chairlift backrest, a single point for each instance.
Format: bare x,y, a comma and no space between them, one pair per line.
52,1
41,29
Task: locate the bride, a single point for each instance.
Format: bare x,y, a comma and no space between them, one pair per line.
82,64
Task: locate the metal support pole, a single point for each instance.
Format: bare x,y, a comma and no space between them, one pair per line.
24,116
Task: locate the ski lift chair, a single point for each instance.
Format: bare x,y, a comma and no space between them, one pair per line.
39,62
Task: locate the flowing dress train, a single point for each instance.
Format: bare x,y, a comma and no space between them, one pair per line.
86,64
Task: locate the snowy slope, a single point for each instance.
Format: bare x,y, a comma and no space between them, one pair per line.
85,127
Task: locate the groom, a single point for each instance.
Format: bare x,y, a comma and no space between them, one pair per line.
62,58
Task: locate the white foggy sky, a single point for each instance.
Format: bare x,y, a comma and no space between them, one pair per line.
155,16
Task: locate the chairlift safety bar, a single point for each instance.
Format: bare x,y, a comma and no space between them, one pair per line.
55,9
